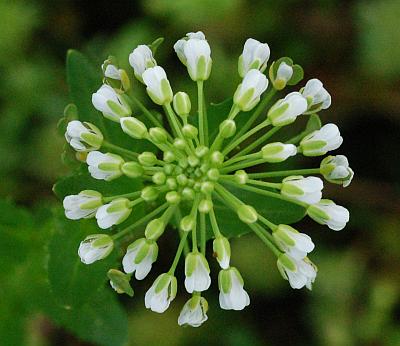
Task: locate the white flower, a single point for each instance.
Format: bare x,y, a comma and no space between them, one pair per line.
83,136
336,170
112,105
157,84
104,166
317,96
95,247
307,190
299,272
285,111
133,127
232,296
255,56
197,273
194,312
111,71
248,93
195,53
161,293
283,75
83,205
278,152
319,142
222,250
139,257
141,59
294,243
326,212
113,213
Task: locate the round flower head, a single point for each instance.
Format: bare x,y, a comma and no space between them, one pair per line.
95,247
299,272
317,96
194,312
83,205
83,136
255,56
286,111
319,142
232,296
326,212
112,105
248,93
141,59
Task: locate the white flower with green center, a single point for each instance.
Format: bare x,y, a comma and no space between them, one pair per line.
95,247
255,55
299,272
194,312
161,293
83,136
139,257
321,141
196,169
327,212
110,103
83,205
141,59
232,295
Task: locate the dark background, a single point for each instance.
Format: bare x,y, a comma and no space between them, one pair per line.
352,46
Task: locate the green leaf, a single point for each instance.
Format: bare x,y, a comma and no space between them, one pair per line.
72,282
313,124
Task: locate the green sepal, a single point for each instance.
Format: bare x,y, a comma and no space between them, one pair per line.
120,282
155,44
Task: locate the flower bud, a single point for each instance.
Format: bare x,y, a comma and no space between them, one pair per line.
179,143
95,247
197,272
205,206
241,177
227,128
141,59
336,170
147,158
255,56
278,152
139,257
120,282
172,184
326,212
283,72
248,93
132,169
104,166
149,193
299,272
285,111
316,95
112,105
306,190
113,213
181,179
194,52
133,127
83,137
158,86
181,103
187,223
194,312
169,156
189,131
188,193
222,251
161,293
173,197
247,213
159,178
283,75
158,135
155,229
319,142
83,205
217,158
213,174
232,296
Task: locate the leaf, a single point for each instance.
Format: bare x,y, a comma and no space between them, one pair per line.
72,282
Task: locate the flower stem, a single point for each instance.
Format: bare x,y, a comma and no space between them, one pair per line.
203,233
242,165
257,230
265,184
126,195
202,118
214,223
145,111
141,221
242,158
122,151
181,246
284,173
178,218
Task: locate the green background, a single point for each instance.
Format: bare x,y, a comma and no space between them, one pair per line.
352,46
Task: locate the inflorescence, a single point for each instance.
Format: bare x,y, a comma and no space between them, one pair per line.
194,171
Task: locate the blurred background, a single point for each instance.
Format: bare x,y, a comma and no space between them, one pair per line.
352,46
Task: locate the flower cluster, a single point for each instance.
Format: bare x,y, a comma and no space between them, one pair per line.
189,171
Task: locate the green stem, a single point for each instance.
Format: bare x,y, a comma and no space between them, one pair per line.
178,218
214,223
284,173
126,195
257,142
265,184
141,221
193,214
136,202
268,223
242,158
248,134
181,246
145,111
122,151
261,106
203,233
242,165
256,229
200,103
